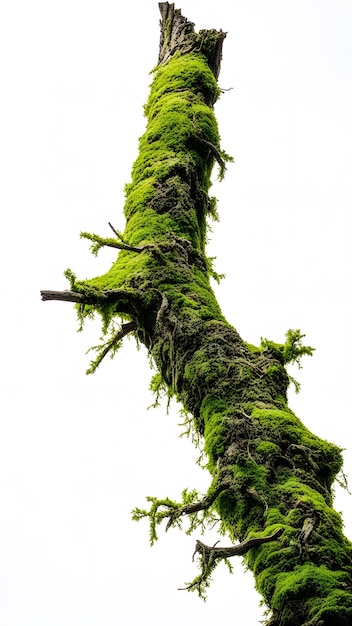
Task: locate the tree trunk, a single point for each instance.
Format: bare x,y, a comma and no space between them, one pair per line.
271,477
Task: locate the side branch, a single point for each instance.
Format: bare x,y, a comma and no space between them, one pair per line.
127,302
99,242
216,153
111,346
210,556
195,507
64,296
173,511
106,297
240,549
121,244
220,156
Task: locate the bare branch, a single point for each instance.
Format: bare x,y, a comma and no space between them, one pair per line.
117,232
195,507
173,511
307,529
110,346
239,550
163,306
64,296
216,153
100,242
126,301
257,496
210,555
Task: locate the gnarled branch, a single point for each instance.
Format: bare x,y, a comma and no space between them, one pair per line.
64,296
195,507
216,154
104,297
163,307
100,242
307,529
257,496
177,36
112,345
173,511
238,550
211,555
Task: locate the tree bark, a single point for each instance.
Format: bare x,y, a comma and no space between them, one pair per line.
271,477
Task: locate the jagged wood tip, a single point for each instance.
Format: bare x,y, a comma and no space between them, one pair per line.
177,35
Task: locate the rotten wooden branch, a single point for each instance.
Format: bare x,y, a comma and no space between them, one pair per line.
163,306
64,296
126,301
195,507
111,345
177,36
100,242
238,550
215,152
117,232
210,555
307,529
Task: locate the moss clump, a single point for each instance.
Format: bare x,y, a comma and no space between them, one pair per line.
267,448
308,581
190,73
215,438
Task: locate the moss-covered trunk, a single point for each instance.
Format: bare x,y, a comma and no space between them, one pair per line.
271,477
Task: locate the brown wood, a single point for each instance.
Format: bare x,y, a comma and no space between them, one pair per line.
177,35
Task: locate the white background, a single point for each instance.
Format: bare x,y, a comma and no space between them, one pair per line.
78,453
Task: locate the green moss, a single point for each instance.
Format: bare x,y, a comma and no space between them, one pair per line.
275,516
267,448
189,72
138,196
301,440
332,549
289,352
231,510
212,405
333,610
203,371
248,472
305,581
214,438
272,557
294,490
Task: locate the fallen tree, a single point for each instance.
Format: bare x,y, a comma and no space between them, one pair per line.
271,477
